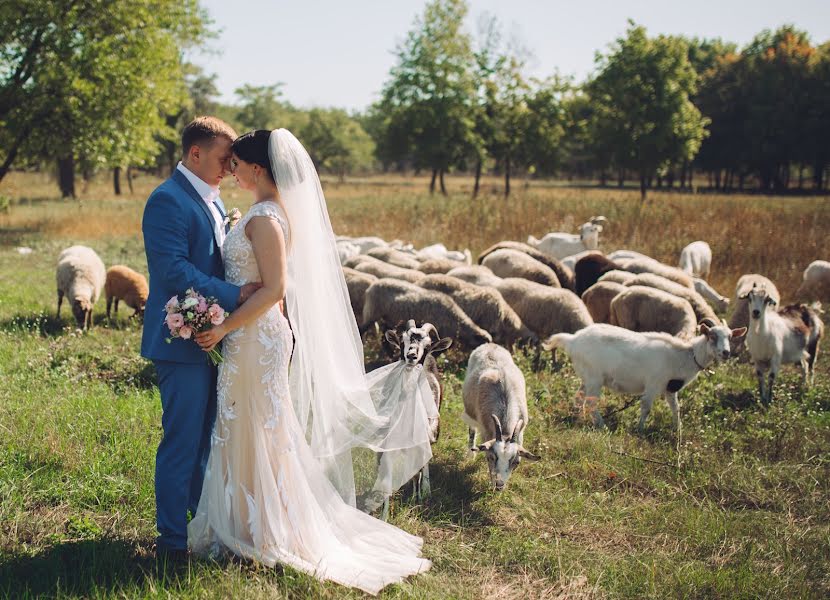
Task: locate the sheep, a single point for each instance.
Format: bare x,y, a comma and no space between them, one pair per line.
495,406
380,269
395,257
652,266
513,263
545,310
439,265
648,364
358,283
740,311
440,251
560,245
346,250
589,269
617,276
718,302
564,274
389,301
598,297
788,336
816,284
123,283
475,274
484,305
364,244
696,259
699,305
620,255
80,275
642,308
569,262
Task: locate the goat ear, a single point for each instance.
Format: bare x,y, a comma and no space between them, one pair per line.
528,455
704,328
738,333
483,447
440,346
771,301
392,337
743,296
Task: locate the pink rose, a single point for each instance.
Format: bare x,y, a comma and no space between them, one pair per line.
172,304
217,314
185,332
174,321
202,306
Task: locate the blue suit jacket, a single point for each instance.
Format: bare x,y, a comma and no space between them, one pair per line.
181,253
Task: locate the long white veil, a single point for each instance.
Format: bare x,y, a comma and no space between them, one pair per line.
337,406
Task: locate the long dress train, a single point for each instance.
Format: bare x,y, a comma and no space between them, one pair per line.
265,496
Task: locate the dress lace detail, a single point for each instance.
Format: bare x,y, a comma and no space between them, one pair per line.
265,496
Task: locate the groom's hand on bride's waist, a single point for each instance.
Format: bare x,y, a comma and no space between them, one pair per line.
247,290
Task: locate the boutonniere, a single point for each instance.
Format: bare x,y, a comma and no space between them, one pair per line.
233,217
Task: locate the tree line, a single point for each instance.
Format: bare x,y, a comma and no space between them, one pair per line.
102,85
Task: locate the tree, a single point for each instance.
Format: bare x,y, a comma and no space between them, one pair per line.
91,82
336,142
643,113
430,95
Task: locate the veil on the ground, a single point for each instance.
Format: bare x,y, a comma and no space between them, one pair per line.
341,409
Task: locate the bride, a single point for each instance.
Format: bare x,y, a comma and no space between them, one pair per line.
281,482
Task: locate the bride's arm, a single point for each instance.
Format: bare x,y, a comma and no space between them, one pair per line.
268,244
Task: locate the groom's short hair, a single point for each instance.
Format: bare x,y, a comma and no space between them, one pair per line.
203,130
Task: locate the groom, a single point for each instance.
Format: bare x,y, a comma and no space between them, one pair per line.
184,226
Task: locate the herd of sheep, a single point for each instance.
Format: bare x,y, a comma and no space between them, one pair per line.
628,322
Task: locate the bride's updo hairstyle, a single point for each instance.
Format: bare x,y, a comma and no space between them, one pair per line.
252,147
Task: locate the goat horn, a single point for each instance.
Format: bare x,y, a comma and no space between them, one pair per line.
430,328
497,423
410,324
516,430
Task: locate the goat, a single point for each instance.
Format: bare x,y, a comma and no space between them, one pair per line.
560,245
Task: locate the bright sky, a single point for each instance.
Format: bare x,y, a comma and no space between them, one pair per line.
339,52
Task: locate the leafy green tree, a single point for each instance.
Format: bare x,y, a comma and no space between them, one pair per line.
644,117
336,142
91,82
430,95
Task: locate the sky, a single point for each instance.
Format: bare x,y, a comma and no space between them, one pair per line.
337,53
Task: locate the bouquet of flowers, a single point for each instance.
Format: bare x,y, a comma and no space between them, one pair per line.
192,314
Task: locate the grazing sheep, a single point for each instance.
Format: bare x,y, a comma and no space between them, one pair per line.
788,336
380,269
395,257
816,284
440,251
740,312
495,405
439,265
718,302
346,250
589,269
357,283
543,309
570,261
598,297
621,255
390,301
643,308
80,275
647,364
364,244
475,274
513,263
699,305
125,284
617,276
560,245
652,266
564,274
696,259
484,305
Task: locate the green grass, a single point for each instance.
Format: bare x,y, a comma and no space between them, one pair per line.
738,507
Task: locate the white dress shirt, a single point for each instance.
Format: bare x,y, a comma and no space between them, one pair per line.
208,195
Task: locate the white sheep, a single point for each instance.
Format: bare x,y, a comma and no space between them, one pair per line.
381,269
514,263
495,406
699,305
559,245
642,265
647,364
346,250
719,303
440,251
617,276
788,336
620,255
476,274
564,274
395,257
696,259
80,275
816,284
642,309
357,282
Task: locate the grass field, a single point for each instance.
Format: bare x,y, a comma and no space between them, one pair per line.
737,508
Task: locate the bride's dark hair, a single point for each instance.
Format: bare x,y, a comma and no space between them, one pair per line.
252,147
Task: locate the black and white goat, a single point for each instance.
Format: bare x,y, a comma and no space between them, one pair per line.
787,336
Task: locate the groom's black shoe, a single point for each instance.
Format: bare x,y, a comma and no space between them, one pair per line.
170,561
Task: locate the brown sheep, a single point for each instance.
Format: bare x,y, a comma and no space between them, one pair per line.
125,284
699,304
643,309
598,299
589,269
563,273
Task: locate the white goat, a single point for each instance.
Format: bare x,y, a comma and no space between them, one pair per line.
788,336
440,251
648,364
696,259
559,245
495,405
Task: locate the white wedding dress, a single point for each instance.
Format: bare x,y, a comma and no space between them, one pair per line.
265,495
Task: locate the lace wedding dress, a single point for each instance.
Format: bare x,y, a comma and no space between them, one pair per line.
265,496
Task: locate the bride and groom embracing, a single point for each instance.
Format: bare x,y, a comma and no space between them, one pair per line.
265,451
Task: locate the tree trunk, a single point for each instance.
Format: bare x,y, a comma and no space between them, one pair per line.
717,180
432,181
659,182
621,178
478,179
130,180
441,179
66,176
801,176
116,181
683,168
507,177
12,154
643,186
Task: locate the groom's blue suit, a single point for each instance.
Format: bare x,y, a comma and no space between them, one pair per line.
182,253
